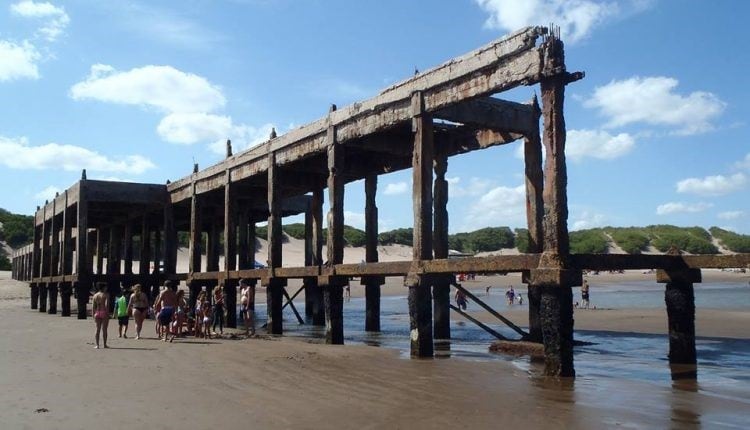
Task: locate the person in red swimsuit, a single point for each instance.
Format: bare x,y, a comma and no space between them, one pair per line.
100,310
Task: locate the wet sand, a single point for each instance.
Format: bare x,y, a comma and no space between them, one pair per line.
52,377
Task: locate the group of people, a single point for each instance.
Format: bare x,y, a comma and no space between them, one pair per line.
170,310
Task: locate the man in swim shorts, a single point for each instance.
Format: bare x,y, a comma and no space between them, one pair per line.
165,305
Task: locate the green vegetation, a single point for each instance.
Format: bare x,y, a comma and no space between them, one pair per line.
522,240
17,230
631,239
694,240
592,241
731,240
482,240
400,236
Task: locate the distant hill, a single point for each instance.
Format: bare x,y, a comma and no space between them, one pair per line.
17,230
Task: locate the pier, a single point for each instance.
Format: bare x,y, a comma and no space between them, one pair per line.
416,124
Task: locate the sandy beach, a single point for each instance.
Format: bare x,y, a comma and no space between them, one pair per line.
54,378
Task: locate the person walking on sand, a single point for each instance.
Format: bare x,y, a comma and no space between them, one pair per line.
138,306
219,308
166,304
100,310
121,313
206,312
585,294
247,306
182,312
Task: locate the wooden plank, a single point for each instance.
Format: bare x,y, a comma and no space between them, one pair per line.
422,160
336,169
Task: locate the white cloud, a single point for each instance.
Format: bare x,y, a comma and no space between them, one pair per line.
499,206
744,163
18,154
18,61
475,187
354,219
55,18
731,215
679,207
190,128
653,100
576,18
47,193
712,185
597,144
162,87
587,219
396,188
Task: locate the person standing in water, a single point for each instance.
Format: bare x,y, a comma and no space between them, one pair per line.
585,294
100,310
247,306
121,313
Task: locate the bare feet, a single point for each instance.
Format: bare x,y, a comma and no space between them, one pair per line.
96,347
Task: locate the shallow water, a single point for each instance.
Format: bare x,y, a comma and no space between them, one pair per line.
723,363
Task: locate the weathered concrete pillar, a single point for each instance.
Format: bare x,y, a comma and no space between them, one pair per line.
83,259
65,293
144,261
553,275
213,244
420,306
34,288
52,289
441,288
680,300
274,286
170,240
194,250
333,297
312,288
230,250
127,252
114,255
372,283
100,239
43,297
532,146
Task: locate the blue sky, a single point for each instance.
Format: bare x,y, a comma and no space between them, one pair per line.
137,90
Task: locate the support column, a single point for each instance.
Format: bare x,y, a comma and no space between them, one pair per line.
194,252
83,267
441,289
315,290
144,261
35,261
67,258
420,306
45,257
213,242
274,286
333,291
553,275
308,282
113,263
230,251
679,297
127,255
372,283
99,251
54,263
170,241
532,146
157,260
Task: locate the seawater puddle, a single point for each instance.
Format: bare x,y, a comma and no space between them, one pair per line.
723,364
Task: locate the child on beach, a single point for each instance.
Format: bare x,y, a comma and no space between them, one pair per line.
121,313
460,298
206,313
100,310
510,296
247,306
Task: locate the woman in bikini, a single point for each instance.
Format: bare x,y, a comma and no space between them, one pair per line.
100,310
139,307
